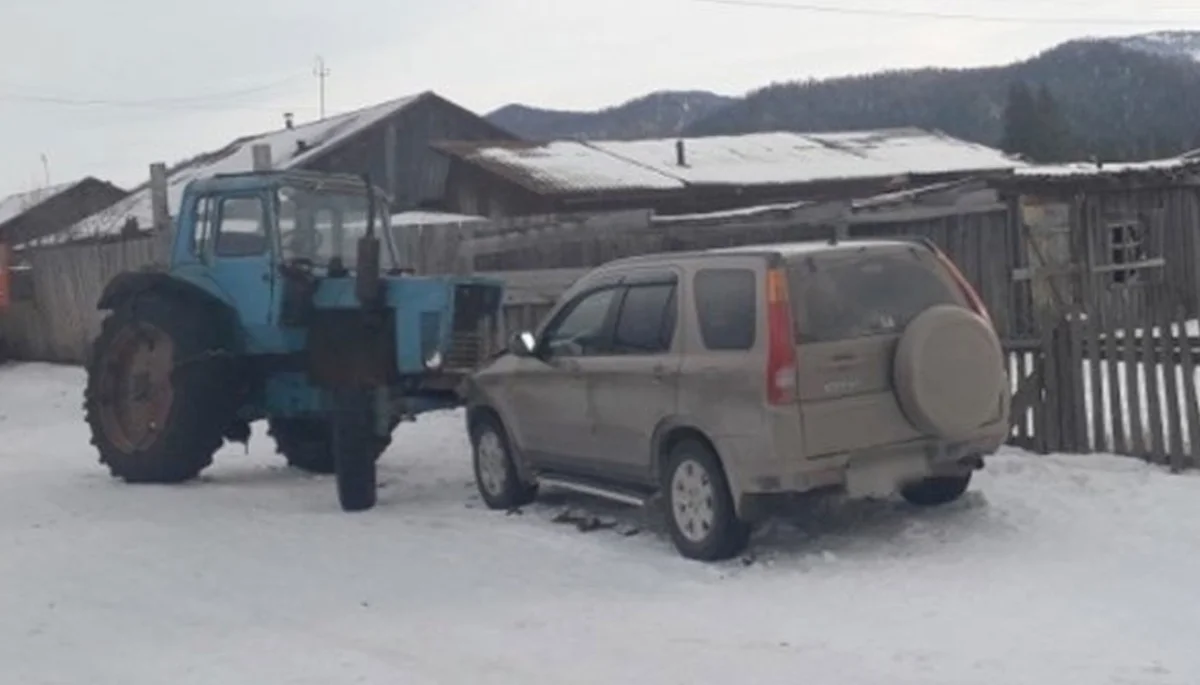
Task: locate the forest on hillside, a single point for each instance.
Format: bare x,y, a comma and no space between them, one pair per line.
1080,100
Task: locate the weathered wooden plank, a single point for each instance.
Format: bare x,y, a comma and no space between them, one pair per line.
1112,364
1156,440
1051,421
1136,432
1191,411
1174,416
1095,377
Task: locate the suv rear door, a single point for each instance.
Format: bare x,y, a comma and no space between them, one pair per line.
851,303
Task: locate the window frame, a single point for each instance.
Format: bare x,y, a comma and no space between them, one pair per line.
756,297
669,280
606,327
217,221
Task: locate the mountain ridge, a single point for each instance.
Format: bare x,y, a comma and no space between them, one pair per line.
1123,98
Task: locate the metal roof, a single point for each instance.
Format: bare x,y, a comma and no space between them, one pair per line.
560,167
756,159
1081,170
291,148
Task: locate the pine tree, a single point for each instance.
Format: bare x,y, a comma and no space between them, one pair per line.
1053,135
1020,122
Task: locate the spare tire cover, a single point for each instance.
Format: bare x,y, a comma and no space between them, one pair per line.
949,372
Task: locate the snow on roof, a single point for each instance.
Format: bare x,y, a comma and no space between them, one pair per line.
426,218
561,166
791,158
290,148
1092,169
17,204
752,159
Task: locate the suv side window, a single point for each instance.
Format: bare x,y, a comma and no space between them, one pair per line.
646,322
727,307
582,329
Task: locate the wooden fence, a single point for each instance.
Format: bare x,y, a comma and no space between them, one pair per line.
1126,387
58,319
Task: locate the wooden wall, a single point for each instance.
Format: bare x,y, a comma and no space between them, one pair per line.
536,255
61,320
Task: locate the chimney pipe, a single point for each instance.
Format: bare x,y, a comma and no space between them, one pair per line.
680,157
287,120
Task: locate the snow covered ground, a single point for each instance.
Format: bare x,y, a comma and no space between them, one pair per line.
1053,570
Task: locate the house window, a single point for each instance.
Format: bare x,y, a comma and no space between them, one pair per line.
1127,247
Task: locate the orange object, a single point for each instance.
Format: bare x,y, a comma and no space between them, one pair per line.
5,276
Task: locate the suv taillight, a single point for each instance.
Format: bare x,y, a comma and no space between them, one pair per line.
781,346
968,291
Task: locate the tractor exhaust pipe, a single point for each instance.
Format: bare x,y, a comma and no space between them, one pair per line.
367,282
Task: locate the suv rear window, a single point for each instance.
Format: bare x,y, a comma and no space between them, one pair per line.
852,294
726,305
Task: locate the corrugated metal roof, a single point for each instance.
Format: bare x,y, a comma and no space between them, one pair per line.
290,148
560,167
780,158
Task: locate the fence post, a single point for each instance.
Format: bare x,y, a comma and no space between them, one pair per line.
160,211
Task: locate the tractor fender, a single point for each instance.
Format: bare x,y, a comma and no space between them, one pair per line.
134,283
131,284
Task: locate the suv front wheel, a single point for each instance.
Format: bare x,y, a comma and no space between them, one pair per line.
496,475
700,514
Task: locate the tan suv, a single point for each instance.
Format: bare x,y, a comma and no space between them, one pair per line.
727,380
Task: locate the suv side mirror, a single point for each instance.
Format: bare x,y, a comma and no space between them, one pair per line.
523,344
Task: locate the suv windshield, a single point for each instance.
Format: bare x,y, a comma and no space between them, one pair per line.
324,225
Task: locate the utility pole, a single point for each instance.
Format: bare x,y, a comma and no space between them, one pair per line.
321,73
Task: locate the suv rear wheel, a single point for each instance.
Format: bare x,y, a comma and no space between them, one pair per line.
936,491
700,514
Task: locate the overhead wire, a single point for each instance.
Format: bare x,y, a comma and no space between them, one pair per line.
817,8
204,102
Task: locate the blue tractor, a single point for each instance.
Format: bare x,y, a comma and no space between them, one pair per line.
283,300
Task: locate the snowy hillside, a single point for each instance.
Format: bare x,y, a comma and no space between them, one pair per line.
1165,43
1052,570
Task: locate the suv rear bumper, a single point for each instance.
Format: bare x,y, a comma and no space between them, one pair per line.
874,472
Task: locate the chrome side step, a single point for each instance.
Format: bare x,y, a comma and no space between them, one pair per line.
614,494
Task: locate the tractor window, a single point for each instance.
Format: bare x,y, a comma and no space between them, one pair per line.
202,231
323,227
242,231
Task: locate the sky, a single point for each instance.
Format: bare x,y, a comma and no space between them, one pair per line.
107,88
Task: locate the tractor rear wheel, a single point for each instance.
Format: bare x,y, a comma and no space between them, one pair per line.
160,390
307,444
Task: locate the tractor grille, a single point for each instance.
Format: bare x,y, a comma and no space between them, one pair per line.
465,352
473,330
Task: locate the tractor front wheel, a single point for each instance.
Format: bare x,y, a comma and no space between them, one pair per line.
160,390
355,450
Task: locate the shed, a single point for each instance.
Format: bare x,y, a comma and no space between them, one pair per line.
697,175
1099,234
36,213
